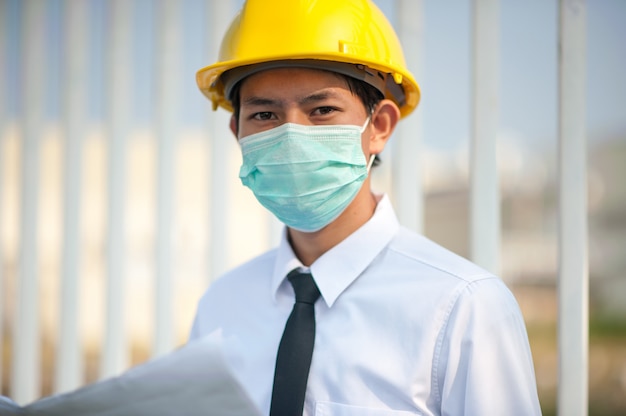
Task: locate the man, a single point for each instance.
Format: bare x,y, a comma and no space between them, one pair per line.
401,325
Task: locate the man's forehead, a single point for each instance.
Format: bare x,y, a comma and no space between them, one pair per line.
233,77
283,74
295,81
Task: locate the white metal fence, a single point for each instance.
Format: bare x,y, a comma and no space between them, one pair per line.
41,106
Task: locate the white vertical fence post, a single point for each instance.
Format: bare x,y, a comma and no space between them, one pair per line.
219,16
115,354
26,377
167,107
573,257
4,98
407,178
484,192
69,363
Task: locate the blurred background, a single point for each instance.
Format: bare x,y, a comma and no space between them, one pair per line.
104,135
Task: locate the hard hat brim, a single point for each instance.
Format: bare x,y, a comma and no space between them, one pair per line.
215,81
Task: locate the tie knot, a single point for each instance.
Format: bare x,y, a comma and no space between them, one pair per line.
304,286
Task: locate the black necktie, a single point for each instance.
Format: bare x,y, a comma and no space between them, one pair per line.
295,349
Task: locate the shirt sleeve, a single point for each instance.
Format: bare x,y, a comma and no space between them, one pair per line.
484,365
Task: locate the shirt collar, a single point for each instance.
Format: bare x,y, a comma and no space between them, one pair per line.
336,269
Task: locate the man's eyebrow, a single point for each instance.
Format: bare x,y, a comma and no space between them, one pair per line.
261,101
318,96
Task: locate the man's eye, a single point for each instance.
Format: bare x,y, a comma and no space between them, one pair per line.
264,115
324,110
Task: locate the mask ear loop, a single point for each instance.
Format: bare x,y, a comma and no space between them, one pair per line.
367,121
371,162
372,156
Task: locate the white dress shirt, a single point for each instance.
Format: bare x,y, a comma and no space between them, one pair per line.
404,327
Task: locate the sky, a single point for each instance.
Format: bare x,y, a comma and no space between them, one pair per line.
528,72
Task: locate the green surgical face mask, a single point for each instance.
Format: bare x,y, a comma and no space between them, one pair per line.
305,175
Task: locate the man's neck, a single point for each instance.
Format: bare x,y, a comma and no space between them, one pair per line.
308,247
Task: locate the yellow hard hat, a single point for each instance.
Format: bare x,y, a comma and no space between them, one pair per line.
352,37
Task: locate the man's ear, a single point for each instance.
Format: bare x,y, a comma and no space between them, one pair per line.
233,125
384,120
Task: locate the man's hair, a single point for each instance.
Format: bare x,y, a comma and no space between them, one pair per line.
369,96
